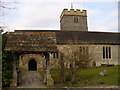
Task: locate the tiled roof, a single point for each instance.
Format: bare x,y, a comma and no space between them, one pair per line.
47,40
78,37
19,41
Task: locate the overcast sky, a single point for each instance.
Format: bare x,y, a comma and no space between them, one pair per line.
45,15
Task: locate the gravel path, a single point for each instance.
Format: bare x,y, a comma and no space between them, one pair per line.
32,79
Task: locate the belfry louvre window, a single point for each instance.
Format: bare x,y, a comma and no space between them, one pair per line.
75,19
106,52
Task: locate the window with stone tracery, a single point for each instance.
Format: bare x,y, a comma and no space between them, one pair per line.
106,52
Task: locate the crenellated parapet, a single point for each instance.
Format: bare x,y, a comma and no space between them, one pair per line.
73,12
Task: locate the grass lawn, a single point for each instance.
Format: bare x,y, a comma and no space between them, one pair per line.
90,77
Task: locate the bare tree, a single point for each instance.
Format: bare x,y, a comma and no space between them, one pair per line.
4,10
4,6
62,68
77,56
74,58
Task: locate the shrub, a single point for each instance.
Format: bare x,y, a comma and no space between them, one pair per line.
68,78
102,82
74,82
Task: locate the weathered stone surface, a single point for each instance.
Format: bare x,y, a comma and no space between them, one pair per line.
14,80
70,39
103,73
32,79
50,81
67,21
26,58
95,53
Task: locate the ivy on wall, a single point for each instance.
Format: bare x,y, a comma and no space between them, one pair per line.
6,69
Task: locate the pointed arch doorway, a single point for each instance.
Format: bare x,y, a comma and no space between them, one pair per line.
32,65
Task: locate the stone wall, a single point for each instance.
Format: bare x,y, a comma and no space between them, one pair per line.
67,23
69,52
54,61
95,53
23,62
67,20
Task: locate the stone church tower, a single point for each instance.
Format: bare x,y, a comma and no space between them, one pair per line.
73,20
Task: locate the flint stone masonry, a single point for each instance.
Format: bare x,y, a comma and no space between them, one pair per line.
73,12
95,53
50,81
26,58
67,20
40,45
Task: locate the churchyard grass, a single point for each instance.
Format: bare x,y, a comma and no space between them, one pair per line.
90,77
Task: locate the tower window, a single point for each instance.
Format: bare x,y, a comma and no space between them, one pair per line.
75,19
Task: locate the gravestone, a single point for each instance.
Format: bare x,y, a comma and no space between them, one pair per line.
103,73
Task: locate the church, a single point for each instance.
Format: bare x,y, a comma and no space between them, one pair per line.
36,50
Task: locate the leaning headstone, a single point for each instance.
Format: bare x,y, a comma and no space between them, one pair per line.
103,73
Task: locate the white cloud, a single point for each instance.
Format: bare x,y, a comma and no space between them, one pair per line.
39,15
105,22
46,15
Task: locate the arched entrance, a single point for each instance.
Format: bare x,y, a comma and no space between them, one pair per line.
32,65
